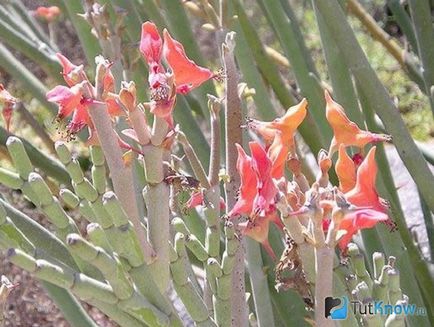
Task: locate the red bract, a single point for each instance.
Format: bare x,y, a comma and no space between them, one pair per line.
287,124
67,98
278,153
188,75
357,220
71,101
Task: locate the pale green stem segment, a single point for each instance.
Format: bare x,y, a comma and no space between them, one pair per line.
184,288
98,169
258,280
155,194
40,160
221,277
114,273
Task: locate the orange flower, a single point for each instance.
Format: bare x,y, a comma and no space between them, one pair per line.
278,152
287,124
364,193
346,170
345,131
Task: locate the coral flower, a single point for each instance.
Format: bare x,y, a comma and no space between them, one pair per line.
364,193
266,189
185,75
188,75
287,124
356,220
346,170
71,102
247,191
8,102
278,153
49,14
345,131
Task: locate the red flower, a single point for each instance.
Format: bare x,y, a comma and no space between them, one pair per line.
266,189
278,153
345,131
247,191
48,14
151,45
71,102
357,220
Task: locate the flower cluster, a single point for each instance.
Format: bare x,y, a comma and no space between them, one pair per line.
79,94
263,184
183,76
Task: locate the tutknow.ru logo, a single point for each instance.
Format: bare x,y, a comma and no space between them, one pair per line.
337,308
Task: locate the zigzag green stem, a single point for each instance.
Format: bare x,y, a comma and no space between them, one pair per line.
191,241
358,265
191,299
129,248
81,285
121,175
223,285
98,169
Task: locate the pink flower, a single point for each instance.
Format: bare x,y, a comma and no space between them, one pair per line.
357,220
